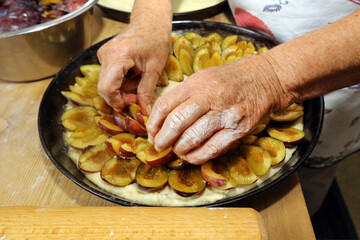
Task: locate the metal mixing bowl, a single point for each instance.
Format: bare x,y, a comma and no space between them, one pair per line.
40,51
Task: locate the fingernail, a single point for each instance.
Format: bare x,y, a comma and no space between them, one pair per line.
148,109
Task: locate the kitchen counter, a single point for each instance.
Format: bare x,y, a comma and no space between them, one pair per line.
30,179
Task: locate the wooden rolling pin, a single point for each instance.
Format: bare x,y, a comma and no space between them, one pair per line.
130,223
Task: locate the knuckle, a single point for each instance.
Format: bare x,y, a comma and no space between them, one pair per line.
175,120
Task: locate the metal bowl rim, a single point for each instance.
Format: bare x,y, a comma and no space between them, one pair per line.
39,27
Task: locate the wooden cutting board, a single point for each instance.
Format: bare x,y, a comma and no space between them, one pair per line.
130,223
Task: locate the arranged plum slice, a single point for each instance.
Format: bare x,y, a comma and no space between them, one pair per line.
201,59
120,172
258,158
76,98
249,139
275,147
242,45
177,164
163,80
186,62
291,113
216,60
217,174
194,38
240,170
227,52
85,139
214,48
173,69
79,118
228,41
91,71
115,144
183,43
107,124
134,127
86,90
249,49
93,159
101,105
262,50
120,120
150,179
215,37
259,128
134,111
187,181
289,136
151,157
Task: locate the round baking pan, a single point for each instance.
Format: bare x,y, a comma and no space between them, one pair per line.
52,106
200,14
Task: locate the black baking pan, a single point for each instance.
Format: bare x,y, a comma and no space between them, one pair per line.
52,106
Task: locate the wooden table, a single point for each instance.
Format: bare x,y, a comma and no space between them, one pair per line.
28,177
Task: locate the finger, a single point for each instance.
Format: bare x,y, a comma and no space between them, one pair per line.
213,147
163,106
145,91
110,82
198,132
180,119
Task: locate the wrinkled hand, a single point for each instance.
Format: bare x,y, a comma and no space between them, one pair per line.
202,116
133,59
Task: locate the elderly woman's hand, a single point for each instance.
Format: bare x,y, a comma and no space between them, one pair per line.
133,59
214,107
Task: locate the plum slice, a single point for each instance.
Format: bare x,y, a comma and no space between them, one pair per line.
93,159
216,173
173,69
240,170
257,157
228,41
86,90
115,144
186,62
187,181
91,71
134,126
201,59
135,113
291,113
216,59
79,118
107,124
177,164
229,51
194,38
215,37
150,179
120,172
249,139
183,43
120,120
163,80
101,105
77,99
289,136
151,157
85,139
275,147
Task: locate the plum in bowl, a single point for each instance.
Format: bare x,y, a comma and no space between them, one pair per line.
36,47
